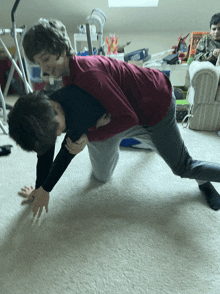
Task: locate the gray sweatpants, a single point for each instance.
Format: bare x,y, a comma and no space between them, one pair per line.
165,138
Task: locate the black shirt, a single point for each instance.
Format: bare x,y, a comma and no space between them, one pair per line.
81,113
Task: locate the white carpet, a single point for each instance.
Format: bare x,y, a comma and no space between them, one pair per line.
145,231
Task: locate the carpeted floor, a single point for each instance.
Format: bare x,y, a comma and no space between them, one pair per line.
145,231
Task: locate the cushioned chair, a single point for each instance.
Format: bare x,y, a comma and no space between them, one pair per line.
204,96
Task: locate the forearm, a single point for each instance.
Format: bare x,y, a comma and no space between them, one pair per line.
44,164
58,168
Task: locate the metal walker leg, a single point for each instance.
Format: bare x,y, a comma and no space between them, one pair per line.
17,56
4,112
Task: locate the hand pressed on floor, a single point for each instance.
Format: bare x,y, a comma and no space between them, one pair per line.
39,199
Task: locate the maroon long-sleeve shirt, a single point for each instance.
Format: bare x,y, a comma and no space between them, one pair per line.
132,95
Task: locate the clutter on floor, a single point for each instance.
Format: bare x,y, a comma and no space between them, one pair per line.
182,105
130,142
5,150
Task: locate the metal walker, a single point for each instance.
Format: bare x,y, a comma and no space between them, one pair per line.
17,57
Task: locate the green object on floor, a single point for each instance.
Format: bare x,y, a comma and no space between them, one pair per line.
182,102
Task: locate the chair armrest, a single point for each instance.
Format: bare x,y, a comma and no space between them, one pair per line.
204,78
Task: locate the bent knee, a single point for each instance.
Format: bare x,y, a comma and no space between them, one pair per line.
101,177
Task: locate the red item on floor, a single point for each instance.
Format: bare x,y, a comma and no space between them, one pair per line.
5,65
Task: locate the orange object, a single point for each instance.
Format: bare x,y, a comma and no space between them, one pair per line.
194,40
113,46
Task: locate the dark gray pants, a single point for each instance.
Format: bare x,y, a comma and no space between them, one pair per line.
166,139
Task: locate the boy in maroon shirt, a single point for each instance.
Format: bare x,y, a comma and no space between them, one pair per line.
140,101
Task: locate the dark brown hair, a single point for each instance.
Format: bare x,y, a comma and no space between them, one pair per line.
31,123
48,35
215,19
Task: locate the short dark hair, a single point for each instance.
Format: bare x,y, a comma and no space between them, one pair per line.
215,19
31,123
48,35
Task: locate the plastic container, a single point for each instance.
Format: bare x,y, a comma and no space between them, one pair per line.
166,72
86,53
141,54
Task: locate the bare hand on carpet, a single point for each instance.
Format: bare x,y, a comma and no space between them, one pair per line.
38,198
26,191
